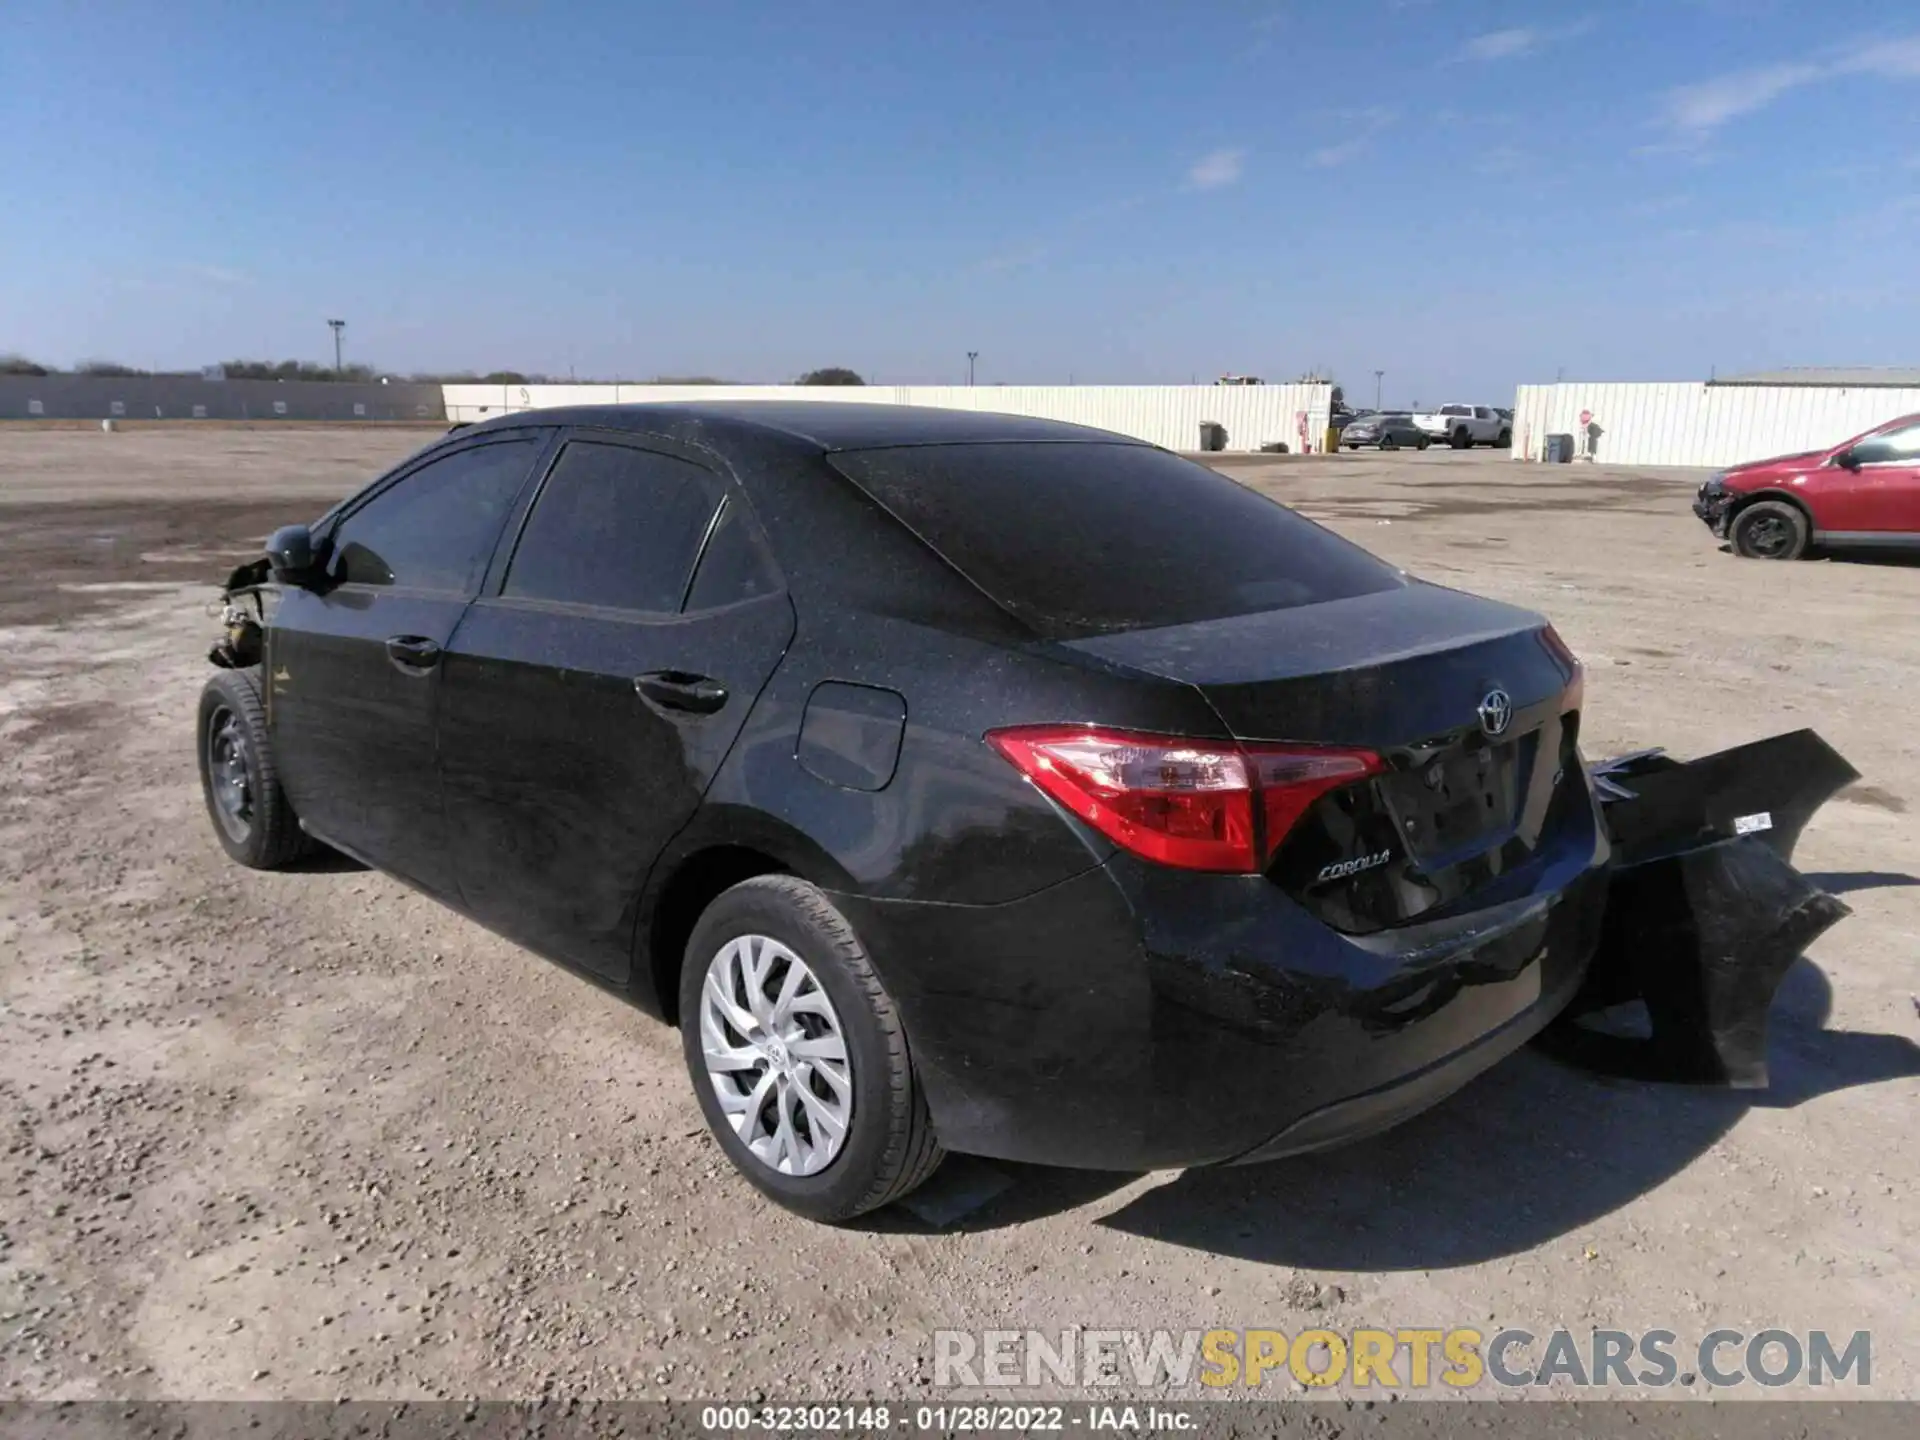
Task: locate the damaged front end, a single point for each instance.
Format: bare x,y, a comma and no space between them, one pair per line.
1713,504
242,618
1705,912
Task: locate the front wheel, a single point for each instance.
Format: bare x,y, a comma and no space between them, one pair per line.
238,777
1770,530
1505,441
1422,443
798,1055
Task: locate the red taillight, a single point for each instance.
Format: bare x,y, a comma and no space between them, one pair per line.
1194,804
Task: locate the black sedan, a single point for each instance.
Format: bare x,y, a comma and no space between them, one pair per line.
953,781
1388,430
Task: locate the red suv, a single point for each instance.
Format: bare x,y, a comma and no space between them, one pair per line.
1864,492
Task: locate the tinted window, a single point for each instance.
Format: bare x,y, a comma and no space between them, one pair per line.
1893,445
616,527
733,567
435,530
1460,410
1085,539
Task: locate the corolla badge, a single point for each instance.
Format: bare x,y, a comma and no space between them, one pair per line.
1496,712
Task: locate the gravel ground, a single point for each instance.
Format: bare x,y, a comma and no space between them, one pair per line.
308,1135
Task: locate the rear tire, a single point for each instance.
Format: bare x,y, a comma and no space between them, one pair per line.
238,777
774,1054
1460,439
1769,530
1422,443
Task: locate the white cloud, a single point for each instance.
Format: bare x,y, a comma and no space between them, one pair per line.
1501,44
1522,40
1711,103
1895,59
1369,122
218,274
1696,111
1221,168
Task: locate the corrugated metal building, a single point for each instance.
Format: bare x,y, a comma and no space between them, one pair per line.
187,397
1720,422
1169,415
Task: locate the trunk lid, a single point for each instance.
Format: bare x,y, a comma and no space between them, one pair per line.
1474,713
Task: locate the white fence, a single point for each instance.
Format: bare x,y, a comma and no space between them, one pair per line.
1168,415
1696,424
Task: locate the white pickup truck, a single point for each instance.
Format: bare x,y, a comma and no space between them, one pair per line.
1464,426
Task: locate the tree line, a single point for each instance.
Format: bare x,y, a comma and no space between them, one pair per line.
11,364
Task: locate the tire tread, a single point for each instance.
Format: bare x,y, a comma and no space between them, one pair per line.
279,840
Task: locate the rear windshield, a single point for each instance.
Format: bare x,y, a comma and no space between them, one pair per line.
1088,539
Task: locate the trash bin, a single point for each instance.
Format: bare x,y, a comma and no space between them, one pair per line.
1559,449
1213,436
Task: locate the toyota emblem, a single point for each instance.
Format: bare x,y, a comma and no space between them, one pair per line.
1496,712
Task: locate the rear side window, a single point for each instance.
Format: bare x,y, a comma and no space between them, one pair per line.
614,527
436,528
733,567
1461,410
1081,540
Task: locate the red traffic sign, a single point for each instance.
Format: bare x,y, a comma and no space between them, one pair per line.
1586,417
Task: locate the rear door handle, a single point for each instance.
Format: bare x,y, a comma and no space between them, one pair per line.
415,654
679,690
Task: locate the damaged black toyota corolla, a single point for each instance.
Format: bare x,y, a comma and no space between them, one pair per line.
961,781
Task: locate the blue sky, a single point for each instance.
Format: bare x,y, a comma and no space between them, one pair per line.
1464,193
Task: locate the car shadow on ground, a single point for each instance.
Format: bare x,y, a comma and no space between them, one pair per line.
1528,1153
323,861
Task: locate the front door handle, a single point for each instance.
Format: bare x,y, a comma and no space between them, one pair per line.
679,690
415,654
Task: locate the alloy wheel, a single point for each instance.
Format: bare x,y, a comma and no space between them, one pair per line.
776,1055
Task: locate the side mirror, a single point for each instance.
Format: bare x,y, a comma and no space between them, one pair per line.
1847,460
290,554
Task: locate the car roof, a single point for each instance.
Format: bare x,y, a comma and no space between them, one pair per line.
828,425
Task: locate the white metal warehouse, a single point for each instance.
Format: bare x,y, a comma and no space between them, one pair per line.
1718,422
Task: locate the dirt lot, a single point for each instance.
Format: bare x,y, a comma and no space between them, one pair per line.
309,1135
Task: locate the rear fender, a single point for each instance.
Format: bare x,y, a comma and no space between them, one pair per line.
1705,911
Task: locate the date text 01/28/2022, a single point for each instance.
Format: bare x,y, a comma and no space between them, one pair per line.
945,1419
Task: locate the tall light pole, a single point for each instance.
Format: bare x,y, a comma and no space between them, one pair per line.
972,355
338,326
1378,375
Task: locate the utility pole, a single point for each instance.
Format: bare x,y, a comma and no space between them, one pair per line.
972,355
338,326
1378,375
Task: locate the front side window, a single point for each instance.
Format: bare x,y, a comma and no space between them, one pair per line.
1891,447
614,527
436,528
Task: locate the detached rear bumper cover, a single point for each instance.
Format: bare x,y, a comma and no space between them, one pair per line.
1705,912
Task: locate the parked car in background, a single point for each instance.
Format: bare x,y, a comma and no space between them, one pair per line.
1388,430
955,781
1464,426
1862,492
